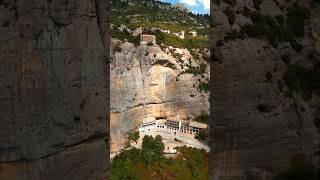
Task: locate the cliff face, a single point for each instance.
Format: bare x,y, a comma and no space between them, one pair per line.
260,123
147,81
53,91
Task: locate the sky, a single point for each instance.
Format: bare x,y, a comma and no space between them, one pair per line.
196,6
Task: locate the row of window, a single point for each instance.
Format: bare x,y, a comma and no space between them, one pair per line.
189,132
184,130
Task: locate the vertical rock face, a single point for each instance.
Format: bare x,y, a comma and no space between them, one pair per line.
147,82
257,127
53,90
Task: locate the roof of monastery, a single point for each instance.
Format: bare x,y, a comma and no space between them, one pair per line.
149,120
198,124
173,119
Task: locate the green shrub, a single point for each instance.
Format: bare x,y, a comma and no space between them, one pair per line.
206,57
266,27
134,136
302,79
204,87
257,4
296,46
115,33
296,20
204,117
190,43
127,144
197,70
280,19
177,56
203,135
194,54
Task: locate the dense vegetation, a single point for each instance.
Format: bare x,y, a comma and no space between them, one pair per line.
204,86
278,29
189,42
150,163
152,12
115,33
155,14
301,169
204,135
302,79
134,136
197,70
204,117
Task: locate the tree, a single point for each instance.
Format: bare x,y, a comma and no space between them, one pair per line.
204,117
134,136
152,149
147,143
158,145
203,134
123,165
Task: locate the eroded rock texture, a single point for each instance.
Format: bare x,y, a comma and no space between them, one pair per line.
258,126
147,81
53,89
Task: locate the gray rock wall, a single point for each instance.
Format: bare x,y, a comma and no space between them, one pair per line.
257,128
53,89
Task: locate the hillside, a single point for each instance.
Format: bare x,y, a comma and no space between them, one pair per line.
164,20
152,12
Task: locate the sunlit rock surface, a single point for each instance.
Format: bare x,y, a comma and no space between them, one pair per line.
147,82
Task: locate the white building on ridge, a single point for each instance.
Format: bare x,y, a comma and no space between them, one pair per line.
148,124
172,125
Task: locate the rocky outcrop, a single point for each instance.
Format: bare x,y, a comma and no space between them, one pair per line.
53,90
147,81
258,126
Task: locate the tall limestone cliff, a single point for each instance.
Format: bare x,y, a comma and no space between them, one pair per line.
152,81
265,80
53,89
